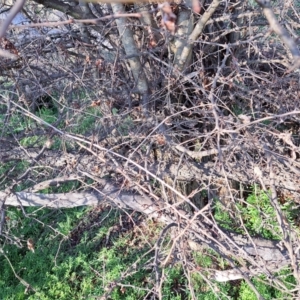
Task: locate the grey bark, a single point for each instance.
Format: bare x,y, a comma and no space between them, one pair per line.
131,49
200,171
185,53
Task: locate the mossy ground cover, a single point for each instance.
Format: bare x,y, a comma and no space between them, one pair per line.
78,252
81,252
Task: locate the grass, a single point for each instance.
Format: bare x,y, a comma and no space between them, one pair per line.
33,134
80,251
85,122
10,171
257,213
259,218
78,266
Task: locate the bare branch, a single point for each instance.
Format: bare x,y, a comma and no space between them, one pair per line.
196,33
278,29
13,12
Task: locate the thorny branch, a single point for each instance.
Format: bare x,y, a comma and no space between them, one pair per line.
280,30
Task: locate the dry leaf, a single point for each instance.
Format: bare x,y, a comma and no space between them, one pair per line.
152,42
168,17
196,6
48,143
160,139
257,171
76,105
9,46
30,245
245,119
96,103
100,64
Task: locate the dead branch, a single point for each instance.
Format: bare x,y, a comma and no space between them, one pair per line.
278,29
13,12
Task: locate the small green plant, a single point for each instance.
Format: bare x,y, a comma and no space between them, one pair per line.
48,115
126,126
76,261
223,217
259,215
85,122
10,171
266,291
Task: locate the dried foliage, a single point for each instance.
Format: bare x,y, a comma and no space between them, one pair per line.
182,109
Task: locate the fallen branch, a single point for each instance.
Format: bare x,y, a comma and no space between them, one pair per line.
193,171
266,252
